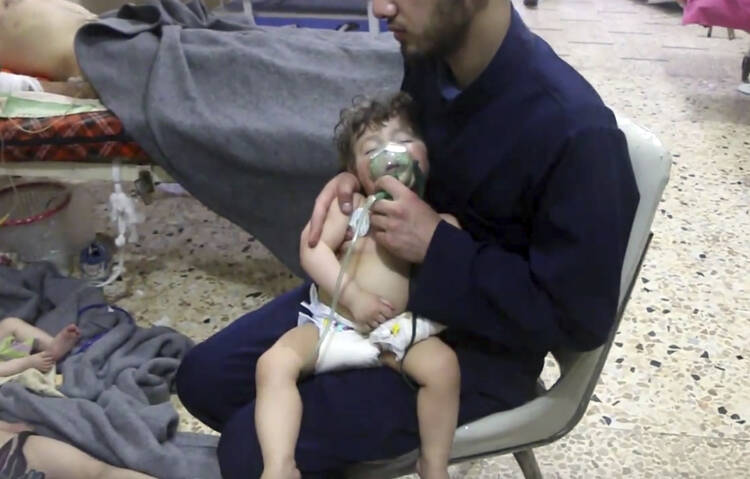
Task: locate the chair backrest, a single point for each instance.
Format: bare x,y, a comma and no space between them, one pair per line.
579,372
558,410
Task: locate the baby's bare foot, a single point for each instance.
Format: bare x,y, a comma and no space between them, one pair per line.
42,361
64,342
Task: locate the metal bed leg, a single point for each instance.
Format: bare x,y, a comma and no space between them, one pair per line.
527,462
247,9
372,22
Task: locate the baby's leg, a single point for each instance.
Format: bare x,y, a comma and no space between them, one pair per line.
434,366
57,347
23,331
58,460
278,406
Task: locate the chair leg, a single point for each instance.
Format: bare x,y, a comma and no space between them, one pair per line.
527,462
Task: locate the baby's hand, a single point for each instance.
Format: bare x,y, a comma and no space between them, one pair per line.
42,361
370,311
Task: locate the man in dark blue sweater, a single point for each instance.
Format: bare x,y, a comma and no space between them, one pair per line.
527,157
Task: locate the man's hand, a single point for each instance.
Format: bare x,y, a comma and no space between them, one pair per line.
342,186
404,225
370,311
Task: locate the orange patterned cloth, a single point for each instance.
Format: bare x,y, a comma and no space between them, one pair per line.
86,137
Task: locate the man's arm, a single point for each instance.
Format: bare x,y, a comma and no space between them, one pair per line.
565,293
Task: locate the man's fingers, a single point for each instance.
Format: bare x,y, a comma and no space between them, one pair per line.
384,207
380,223
382,238
345,191
316,221
391,186
342,186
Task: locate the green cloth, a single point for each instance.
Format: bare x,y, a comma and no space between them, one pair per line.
11,348
21,105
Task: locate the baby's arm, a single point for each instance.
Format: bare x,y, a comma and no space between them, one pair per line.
321,262
323,266
15,366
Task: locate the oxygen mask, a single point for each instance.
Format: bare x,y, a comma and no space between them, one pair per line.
394,160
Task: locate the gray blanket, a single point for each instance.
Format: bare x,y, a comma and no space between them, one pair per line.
242,116
118,389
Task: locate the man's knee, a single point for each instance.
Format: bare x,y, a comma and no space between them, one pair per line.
191,379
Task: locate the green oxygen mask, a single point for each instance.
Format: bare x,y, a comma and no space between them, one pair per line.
394,160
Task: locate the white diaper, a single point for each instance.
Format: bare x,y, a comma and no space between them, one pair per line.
346,348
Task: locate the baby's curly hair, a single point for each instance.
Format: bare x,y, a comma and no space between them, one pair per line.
366,112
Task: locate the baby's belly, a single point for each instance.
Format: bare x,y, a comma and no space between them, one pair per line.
377,272
384,280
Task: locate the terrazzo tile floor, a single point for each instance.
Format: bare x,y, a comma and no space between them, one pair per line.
674,396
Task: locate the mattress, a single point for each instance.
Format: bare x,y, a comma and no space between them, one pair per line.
92,137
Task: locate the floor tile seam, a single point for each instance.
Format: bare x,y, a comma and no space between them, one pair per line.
641,432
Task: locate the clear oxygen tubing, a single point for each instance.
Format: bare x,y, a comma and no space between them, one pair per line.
324,335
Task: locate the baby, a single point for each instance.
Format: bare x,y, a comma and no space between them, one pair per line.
19,340
374,289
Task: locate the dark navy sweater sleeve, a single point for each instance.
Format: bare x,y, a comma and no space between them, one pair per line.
562,292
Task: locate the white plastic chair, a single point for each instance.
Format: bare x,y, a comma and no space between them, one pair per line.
556,411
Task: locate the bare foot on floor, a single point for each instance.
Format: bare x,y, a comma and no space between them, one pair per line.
64,342
42,361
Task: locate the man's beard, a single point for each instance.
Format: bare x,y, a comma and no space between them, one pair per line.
444,34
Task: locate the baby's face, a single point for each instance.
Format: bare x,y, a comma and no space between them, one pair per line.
375,138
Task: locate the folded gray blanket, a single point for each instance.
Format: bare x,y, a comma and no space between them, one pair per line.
242,116
117,407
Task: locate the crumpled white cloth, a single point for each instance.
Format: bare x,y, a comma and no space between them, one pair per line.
11,82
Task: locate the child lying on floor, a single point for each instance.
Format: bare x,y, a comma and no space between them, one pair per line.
374,294
22,451
23,346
